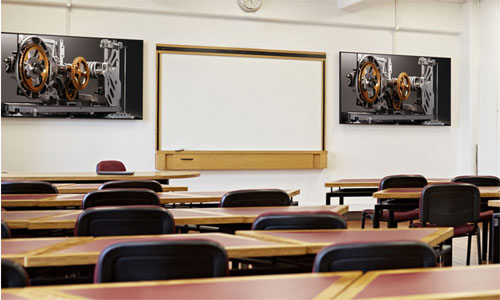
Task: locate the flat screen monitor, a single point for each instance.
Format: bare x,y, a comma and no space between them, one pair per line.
71,77
394,89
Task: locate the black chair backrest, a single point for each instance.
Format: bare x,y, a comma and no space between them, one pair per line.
478,180
28,187
126,220
153,185
13,275
160,260
450,204
114,197
5,231
402,181
299,220
263,197
374,256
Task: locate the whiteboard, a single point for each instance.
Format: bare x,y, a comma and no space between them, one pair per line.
210,102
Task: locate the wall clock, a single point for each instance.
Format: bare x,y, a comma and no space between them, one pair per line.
250,5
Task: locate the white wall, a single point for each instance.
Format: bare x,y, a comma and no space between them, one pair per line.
489,79
423,28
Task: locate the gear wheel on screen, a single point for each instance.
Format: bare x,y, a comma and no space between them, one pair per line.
403,86
33,67
80,73
70,91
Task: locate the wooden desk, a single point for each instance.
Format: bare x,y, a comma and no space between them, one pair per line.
18,249
21,219
87,252
415,193
360,187
66,219
182,216
61,200
250,213
88,177
289,286
315,240
494,203
471,282
84,188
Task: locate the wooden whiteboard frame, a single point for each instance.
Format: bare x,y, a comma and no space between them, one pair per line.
213,160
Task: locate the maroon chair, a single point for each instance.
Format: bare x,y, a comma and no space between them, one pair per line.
397,181
299,220
161,260
486,214
110,165
454,205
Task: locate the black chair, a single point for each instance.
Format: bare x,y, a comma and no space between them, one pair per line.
126,220
454,205
114,197
160,260
486,214
374,256
153,185
13,275
262,197
299,220
5,231
28,187
397,181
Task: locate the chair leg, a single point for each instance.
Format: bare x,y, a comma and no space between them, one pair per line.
485,239
469,238
478,234
363,217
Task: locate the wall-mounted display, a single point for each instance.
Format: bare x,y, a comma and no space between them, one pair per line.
394,89
66,76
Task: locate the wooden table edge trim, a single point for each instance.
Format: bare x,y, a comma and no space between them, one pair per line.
368,277
184,281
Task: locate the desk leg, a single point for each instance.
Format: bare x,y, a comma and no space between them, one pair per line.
392,223
328,197
448,256
495,238
376,216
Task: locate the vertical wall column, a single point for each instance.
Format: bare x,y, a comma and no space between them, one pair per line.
488,143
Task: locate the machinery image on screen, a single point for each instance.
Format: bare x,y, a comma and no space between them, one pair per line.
71,77
394,89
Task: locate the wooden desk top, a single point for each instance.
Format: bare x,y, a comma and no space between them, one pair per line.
87,252
84,188
86,176
55,200
494,203
20,219
287,286
315,240
471,282
372,182
18,249
66,219
408,193
182,216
